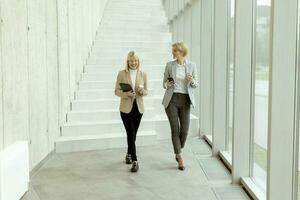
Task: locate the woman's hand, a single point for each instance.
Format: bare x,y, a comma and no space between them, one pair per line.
169,84
140,89
189,78
130,94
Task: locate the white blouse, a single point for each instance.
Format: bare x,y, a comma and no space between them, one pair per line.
133,73
180,80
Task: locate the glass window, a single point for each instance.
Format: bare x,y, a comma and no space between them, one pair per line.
261,92
230,76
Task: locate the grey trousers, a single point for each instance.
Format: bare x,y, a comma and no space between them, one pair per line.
178,112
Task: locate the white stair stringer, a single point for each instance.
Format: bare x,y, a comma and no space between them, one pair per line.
94,121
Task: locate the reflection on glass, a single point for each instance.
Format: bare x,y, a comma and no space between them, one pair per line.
261,93
230,79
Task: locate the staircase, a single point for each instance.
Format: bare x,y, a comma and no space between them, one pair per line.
94,121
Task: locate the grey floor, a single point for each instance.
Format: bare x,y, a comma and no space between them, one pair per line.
102,175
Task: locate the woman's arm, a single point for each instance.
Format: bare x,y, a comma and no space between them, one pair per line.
194,82
118,91
166,75
145,90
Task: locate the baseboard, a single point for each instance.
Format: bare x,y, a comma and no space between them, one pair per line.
40,164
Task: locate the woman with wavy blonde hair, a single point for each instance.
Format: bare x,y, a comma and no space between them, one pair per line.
131,104
179,81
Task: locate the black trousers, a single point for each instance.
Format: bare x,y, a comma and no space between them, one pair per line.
131,123
178,112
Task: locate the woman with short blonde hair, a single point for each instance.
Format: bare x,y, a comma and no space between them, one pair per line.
181,47
180,80
131,104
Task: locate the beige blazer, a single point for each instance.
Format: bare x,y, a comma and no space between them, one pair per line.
127,102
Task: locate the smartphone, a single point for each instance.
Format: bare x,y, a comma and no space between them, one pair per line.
170,79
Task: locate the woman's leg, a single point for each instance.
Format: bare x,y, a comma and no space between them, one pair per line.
136,117
172,113
129,127
184,119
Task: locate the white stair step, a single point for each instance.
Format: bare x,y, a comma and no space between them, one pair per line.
101,115
101,49
147,17
143,65
140,12
102,127
82,85
140,22
107,71
100,94
113,44
104,141
113,103
120,62
102,77
113,28
106,75
120,58
145,55
138,37
134,2
117,17
135,5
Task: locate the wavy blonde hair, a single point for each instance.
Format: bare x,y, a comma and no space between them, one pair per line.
181,47
131,55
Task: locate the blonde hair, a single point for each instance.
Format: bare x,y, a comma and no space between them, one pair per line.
182,47
131,55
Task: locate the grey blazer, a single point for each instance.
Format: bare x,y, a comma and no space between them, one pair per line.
170,71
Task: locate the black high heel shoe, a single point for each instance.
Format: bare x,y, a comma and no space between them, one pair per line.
182,168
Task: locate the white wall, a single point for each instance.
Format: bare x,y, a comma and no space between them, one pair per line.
40,66
1,90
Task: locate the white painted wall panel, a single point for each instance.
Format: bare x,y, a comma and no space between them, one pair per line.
52,73
38,118
1,87
38,80
15,70
63,56
75,42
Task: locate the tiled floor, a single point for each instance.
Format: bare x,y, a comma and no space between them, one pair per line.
102,175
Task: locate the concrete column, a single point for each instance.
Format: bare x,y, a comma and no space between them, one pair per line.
284,102
242,90
206,68
220,58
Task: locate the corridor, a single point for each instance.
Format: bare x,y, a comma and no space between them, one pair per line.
62,107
